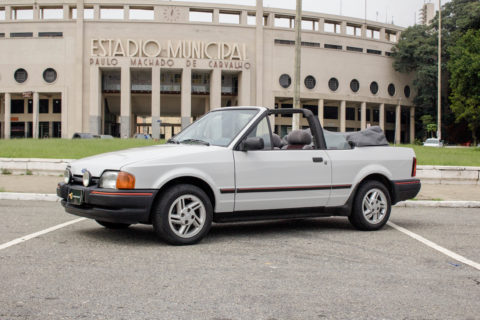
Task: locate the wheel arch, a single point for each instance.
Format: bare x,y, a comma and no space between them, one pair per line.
202,184
372,177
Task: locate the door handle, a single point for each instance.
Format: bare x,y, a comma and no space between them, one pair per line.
317,159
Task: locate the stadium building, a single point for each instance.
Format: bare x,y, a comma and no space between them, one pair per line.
121,67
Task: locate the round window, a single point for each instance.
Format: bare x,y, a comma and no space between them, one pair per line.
49,75
310,82
391,89
407,91
354,85
21,75
285,80
333,84
374,87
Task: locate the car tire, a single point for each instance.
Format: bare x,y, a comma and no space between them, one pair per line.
372,206
113,225
183,215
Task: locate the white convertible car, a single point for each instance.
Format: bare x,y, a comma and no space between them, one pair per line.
229,166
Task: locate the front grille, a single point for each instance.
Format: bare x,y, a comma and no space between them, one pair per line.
78,179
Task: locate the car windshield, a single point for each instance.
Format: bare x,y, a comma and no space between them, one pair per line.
432,141
217,128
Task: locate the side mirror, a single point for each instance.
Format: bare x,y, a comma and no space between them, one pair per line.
252,143
352,144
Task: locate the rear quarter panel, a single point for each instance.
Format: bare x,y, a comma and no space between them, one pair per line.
352,166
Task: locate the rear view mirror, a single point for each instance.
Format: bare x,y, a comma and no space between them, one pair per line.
252,143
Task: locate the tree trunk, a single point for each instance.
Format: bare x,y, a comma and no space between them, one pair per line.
474,136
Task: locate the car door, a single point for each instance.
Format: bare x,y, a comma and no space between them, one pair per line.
275,178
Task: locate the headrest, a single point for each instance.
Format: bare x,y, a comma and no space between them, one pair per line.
299,137
276,141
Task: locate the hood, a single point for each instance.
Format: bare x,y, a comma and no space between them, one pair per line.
118,159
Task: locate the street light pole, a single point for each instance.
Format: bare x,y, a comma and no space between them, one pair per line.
298,43
439,80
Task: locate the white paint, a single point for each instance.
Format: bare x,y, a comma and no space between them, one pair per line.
435,246
438,204
39,233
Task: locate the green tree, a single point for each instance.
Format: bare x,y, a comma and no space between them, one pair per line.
416,52
464,68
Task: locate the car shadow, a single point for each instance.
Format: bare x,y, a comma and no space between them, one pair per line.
144,235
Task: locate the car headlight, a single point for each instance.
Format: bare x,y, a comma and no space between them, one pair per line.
67,176
108,180
87,178
117,180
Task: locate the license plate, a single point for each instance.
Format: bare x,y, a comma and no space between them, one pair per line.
75,196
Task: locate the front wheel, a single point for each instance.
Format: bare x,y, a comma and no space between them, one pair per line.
372,206
183,215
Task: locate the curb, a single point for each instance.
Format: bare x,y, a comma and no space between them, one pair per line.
438,204
401,204
29,196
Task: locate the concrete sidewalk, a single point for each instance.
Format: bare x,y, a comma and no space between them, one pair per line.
48,184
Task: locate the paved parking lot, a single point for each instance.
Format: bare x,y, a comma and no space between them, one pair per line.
302,269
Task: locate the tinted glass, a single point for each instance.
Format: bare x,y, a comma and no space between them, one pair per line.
374,87
310,82
285,80
333,84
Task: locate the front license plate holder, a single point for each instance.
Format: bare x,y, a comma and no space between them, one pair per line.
75,197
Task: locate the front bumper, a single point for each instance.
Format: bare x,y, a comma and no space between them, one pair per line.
405,189
118,206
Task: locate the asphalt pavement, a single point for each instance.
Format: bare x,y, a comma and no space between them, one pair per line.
300,269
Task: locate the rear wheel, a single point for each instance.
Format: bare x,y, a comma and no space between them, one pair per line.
183,215
112,225
372,206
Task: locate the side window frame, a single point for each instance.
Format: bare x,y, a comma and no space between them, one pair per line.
253,127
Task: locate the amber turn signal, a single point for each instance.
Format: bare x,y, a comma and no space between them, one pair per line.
125,180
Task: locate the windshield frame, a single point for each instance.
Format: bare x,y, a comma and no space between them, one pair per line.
259,111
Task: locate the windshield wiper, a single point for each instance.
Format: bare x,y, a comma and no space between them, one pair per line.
171,140
195,141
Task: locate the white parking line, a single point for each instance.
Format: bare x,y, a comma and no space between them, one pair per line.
39,233
435,246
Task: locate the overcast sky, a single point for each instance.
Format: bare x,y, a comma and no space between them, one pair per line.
402,12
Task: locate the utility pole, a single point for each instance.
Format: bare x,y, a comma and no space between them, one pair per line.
439,80
298,44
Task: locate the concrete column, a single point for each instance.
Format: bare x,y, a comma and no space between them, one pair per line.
216,16
186,97
64,114
399,33
206,107
36,105
216,89
96,12
76,109
36,12
270,20
321,25
243,17
259,54
66,12
157,13
125,103
126,12
363,116
364,31
7,120
343,27
95,119
398,123
156,102
244,88
343,112
321,103
382,116
8,17
382,34
412,125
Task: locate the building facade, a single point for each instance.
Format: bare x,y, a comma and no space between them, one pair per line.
120,67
